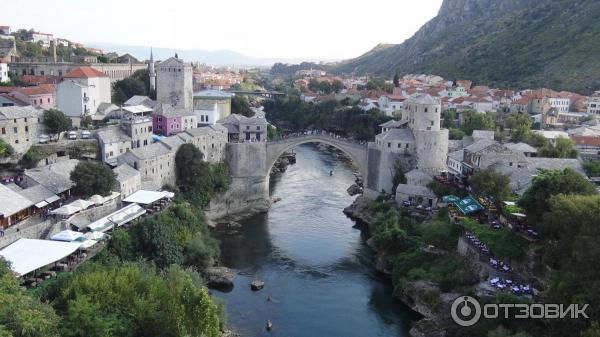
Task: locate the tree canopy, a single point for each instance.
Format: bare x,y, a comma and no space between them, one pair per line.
240,105
198,180
491,183
56,121
536,198
473,120
562,148
93,178
520,125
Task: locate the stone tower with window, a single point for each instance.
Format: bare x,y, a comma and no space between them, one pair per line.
174,83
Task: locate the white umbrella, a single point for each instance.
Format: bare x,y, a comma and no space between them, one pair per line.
66,210
66,235
94,235
87,244
96,199
83,204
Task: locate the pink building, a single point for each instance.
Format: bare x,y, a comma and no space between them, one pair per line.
167,120
43,95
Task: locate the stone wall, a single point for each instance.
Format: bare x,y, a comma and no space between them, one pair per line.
432,150
32,232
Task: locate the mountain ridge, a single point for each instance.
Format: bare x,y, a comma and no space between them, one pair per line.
509,43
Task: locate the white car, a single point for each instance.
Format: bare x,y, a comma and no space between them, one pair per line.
43,139
86,135
72,135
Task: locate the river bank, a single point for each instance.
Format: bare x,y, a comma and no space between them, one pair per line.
422,296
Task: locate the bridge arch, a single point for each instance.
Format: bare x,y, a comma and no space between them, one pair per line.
356,152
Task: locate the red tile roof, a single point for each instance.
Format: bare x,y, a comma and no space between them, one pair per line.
587,141
42,89
45,79
6,90
85,72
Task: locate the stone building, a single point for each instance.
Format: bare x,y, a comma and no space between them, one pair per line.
246,129
414,141
132,133
114,71
19,127
208,98
168,120
156,162
129,180
174,83
42,96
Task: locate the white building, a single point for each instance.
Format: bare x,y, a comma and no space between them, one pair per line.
391,105
82,92
593,104
4,73
42,38
129,180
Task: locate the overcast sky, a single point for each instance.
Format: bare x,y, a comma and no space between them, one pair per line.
328,29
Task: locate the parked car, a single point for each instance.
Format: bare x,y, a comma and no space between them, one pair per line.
86,135
72,135
43,139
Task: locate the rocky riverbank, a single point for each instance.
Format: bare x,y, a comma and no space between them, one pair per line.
423,297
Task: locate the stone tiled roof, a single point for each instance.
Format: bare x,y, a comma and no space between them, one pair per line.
423,99
12,112
168,110
403,135
415,190
55,177
150,151
457,155
12,202
36,193
521,147
393,124
113,135
480,145
555,164
125,172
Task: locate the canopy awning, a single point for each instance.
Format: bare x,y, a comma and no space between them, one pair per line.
118,218
66,210
148,197
41,204
468,205
66,235
27,255
450,198
52,199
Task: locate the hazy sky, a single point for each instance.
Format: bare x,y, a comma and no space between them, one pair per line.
262,28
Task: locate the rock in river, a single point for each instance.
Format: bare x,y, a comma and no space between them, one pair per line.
354,189
257,285
219,278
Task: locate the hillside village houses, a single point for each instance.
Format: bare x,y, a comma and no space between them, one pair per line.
4,73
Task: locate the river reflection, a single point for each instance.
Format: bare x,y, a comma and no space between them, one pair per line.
316,267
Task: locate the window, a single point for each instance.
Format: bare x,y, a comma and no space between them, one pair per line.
407,145
16,141
247,127
48,100
25,120
3,131
110,154
258,127
425,109
26,128
15,130
389,144
399,145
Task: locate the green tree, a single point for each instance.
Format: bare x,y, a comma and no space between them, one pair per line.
536,198
5,149
198,180
473,120
491,183
325,87
572,226
456,134
56,121
398,177
21,314
592,168
136,300
313,85
562,148
240,105
129,87
520,125
93,178
396,80
337,86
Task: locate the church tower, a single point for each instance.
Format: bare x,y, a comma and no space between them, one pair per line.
151,72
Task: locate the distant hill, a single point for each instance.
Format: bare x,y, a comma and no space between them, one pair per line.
212,57
506,43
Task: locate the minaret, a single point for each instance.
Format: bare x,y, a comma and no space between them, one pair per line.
151,72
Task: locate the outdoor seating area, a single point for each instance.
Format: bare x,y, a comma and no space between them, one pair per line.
510,286
151,201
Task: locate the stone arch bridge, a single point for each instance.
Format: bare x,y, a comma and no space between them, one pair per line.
356,151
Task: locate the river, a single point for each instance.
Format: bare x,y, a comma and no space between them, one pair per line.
316,267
